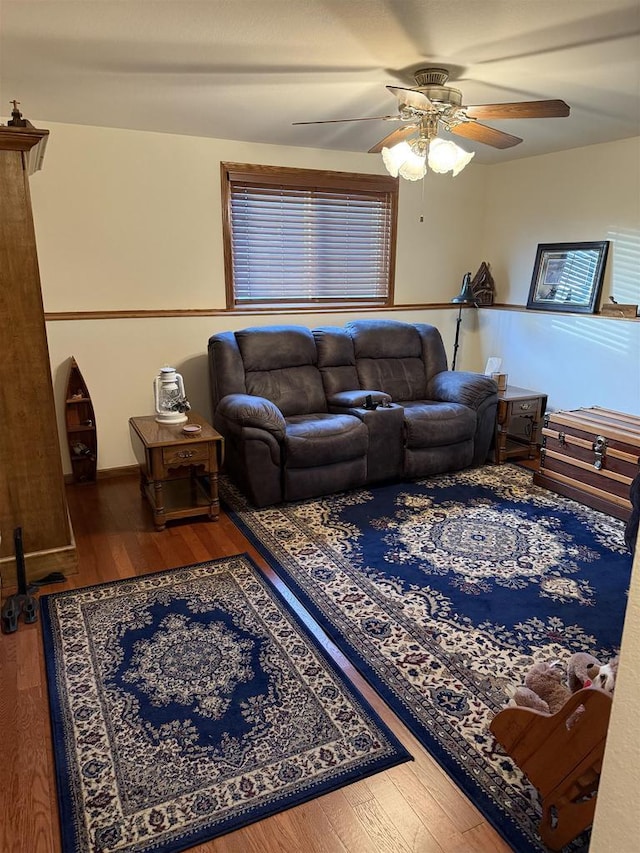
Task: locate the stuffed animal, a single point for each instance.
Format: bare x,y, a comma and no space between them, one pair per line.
604,677
543,690
577,670
583,670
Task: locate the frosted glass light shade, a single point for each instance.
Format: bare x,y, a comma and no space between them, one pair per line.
402,160
446,156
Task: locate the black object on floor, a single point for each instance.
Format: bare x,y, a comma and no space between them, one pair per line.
52,577
23,602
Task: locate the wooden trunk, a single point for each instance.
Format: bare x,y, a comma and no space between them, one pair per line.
591,455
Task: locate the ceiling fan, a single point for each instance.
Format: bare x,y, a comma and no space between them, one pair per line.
431,105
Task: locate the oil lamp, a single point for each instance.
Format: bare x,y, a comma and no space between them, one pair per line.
170,400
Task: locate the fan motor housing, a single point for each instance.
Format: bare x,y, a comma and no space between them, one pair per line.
431,82
431,76
442,95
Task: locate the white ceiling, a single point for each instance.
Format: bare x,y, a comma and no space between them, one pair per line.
247,69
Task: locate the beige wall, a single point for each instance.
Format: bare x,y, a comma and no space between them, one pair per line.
616,824
591,193
132,221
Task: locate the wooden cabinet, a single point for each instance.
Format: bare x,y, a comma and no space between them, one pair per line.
518,423
178,473
32,494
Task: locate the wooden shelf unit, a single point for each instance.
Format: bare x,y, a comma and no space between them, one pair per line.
82,436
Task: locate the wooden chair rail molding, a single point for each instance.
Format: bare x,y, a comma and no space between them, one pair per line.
224,312
53,316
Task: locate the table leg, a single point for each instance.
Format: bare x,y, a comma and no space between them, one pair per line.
500,443
214,503
158,505
533,446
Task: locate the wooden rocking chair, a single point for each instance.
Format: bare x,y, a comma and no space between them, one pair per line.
563,763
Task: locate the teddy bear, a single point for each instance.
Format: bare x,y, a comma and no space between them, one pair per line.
543,690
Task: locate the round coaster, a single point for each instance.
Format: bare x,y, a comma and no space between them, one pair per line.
191,429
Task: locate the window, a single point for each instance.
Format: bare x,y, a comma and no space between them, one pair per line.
299,237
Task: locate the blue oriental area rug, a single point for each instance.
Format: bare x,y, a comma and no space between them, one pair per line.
443,592
191,702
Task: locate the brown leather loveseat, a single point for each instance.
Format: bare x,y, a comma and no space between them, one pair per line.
307,413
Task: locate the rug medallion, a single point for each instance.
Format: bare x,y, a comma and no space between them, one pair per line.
443,592
188,703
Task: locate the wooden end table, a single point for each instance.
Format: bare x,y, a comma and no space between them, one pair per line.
518,423
178,473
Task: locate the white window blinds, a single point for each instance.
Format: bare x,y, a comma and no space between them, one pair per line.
298,236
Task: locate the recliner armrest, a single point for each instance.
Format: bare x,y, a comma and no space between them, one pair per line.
244,410
356,398
461,386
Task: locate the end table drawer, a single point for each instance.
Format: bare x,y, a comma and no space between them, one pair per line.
190,454
525,407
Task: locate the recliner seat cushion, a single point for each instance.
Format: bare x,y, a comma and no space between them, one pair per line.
431,424
321,439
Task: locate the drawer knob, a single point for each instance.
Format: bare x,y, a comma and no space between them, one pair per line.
185,454
525,406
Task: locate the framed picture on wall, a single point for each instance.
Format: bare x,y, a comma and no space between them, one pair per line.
568,277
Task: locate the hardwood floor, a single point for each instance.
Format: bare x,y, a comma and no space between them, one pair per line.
413,807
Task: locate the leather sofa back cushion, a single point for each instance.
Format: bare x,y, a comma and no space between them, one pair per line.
294,390
401,378
280,363
273,347
384,339
389,357
336,360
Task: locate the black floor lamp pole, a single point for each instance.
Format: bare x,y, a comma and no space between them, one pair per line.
465,297
456,343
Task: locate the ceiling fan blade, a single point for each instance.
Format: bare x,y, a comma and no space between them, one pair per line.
338,120
410,98
393,138
488,135
524,109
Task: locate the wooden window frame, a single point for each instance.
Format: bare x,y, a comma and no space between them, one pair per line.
306,178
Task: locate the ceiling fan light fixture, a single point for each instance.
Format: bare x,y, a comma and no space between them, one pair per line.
402,160
445,156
